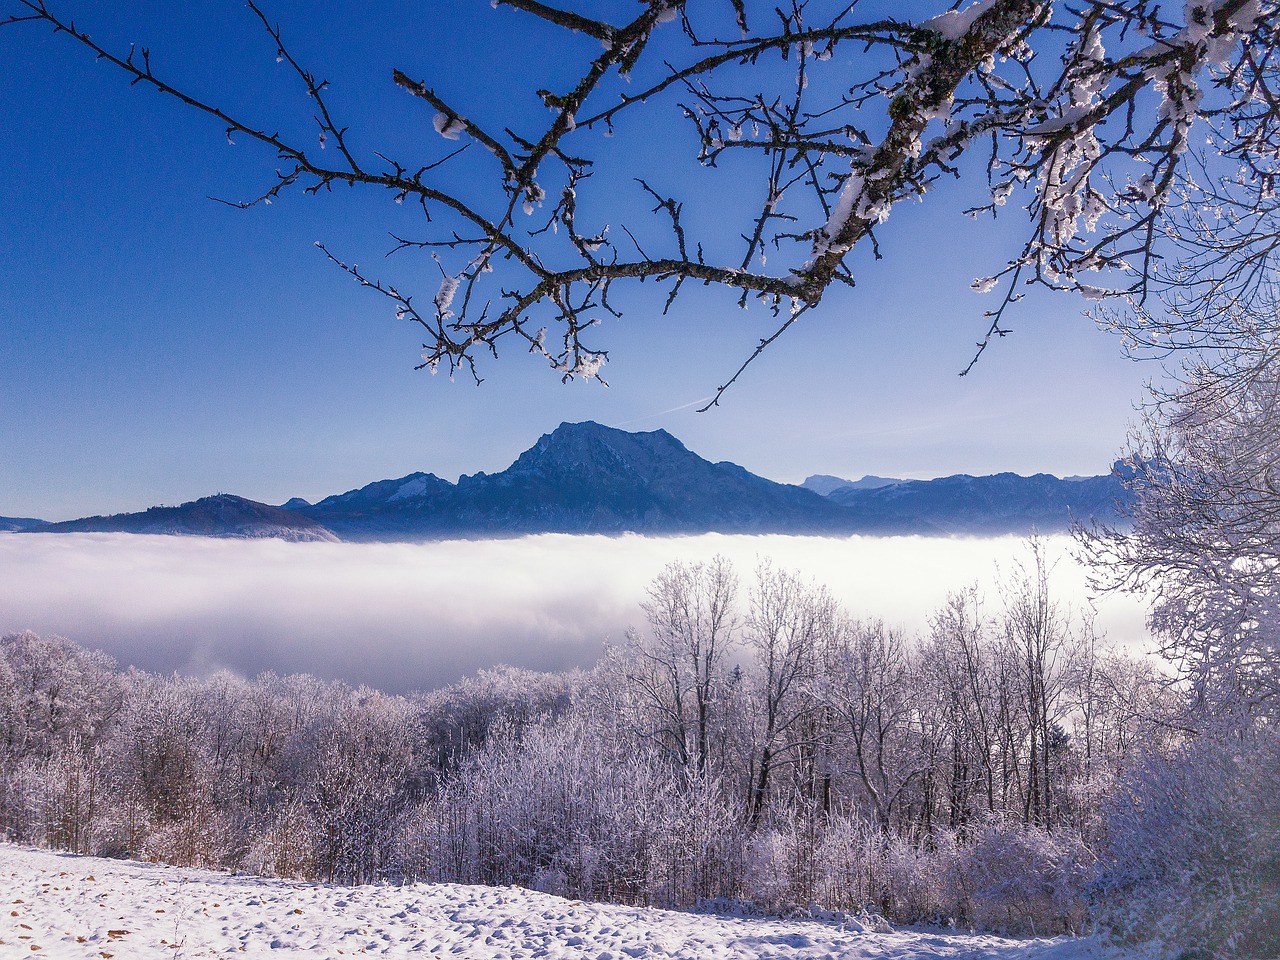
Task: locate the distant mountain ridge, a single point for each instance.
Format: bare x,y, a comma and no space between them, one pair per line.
10,524
586,478
1002,503
222,515
824,484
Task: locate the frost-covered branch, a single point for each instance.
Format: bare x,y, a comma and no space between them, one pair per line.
1084,115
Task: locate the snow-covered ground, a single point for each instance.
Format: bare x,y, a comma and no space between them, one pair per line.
59,905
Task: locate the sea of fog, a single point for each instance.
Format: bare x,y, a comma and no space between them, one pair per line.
414,616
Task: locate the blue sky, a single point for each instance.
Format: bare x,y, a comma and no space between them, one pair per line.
156,346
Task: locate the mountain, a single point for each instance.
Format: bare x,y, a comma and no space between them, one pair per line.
222,515
1003,503
824,484
584,478
587,478
10,524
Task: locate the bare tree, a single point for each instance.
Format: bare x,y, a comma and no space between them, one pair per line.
1083,112
871,694
789,625
958,658
681,672
1038,639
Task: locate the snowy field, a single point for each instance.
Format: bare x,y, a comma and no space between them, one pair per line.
59,905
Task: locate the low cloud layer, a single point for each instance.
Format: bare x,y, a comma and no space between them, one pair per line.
407,616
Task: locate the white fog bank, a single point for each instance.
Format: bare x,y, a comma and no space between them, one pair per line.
407,616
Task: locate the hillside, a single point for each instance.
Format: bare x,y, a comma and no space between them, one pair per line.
998,504
9,524
222,515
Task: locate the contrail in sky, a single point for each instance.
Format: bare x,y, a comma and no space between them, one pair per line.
661,413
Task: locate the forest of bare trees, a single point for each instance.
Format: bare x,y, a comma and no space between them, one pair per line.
754,747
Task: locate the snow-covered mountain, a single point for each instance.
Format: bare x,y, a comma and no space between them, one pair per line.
222,515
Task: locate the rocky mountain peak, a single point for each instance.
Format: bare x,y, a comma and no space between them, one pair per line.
593,448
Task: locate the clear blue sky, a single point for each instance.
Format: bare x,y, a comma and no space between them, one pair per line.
156,346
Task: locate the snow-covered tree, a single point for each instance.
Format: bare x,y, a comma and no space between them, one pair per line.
1203,539
826,115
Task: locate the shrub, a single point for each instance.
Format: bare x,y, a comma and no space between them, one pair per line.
1194,855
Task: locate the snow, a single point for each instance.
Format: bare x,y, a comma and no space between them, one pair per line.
668,13
849,195
408,491
1177,81
1095,293
851,202
444,296
447,126
954,24
65,906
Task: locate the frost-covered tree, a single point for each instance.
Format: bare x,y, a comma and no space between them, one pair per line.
788,629
58,704
1039,639
361,756
572,783
1203,538
52,691
825,116
680,670
457,719
874,707
1191,828
976,723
